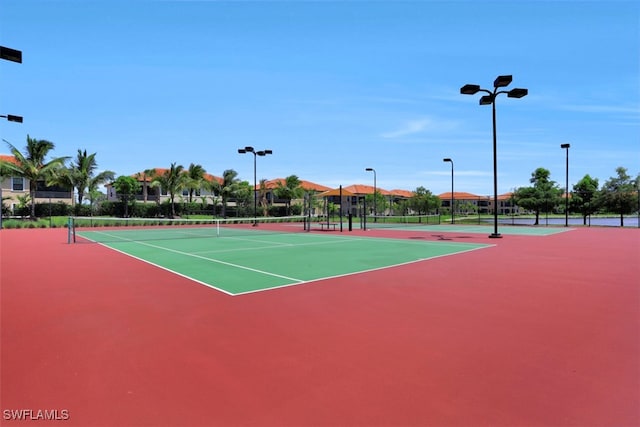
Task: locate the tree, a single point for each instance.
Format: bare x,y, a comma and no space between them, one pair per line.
195,179
262,197
618,194
93,192
145,176
32,165
243,193
289,190
228,188
583,197
422,200
82,172
377,201
5,172
543,196
172,181
126,189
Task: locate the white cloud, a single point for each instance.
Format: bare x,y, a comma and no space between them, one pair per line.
412,127
409,128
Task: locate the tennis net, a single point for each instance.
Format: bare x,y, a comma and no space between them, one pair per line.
390,221
108,229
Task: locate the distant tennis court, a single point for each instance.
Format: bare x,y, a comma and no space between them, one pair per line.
240,258
478,229
431,223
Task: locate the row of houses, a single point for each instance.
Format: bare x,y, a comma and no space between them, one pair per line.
12,188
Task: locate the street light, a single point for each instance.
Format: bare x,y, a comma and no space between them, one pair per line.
451,161
11,54
469,89
566,192
12,118
255,184
375,218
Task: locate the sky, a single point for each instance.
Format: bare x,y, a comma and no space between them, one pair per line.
332,87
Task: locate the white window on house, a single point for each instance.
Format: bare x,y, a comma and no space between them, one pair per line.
17,183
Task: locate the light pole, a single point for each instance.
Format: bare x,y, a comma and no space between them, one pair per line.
255,184
451,161
469,89
566,191
375,219
12,55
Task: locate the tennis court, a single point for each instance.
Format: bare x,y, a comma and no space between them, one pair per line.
240,258
531,331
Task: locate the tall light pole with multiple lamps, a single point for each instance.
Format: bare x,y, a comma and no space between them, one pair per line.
451,161
255,184
566,191
470,89
374,193
12,55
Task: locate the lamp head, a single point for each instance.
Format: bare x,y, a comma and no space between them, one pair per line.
13,118
447,160
486,100
502,81
11,54
369,169
469,89
242,151
565,145
517,93
248,149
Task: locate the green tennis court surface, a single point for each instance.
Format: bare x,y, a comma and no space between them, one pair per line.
252,262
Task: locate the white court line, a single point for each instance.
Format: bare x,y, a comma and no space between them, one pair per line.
296,281
360,271
276,245
242,267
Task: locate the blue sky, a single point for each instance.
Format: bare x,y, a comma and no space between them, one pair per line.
332,87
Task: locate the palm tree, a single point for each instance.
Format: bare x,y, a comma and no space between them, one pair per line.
144,176
195,179
172,180
262,195
32,166
92,187
82,173
228,188
5,172
291,189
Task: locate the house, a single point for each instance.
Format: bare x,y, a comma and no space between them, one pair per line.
468,203
148,193
14,187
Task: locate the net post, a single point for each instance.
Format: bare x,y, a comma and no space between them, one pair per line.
70,233
364,215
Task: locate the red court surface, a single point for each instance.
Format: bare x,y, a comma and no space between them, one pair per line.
535,331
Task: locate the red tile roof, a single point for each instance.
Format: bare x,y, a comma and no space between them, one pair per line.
403,193
460,195
307,185
360,189
9,158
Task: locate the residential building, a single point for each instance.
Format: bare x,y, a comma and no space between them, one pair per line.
12,188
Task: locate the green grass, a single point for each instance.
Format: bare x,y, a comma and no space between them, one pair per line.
53,222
